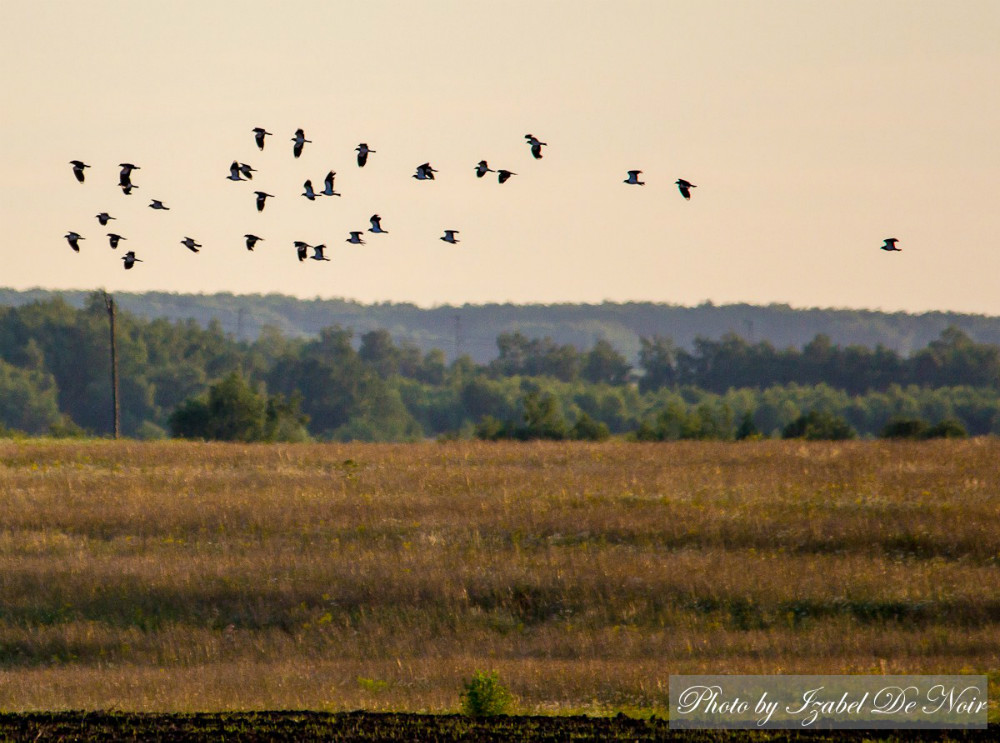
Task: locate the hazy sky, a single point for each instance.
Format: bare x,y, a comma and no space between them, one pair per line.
813,130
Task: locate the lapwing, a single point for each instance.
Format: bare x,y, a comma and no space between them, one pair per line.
363,151
113,238
482,169
127,188
234,172
258,134
318,252
261,198
157,204
252,240
103,218
246,170
125,176
536,145
300,140
308,193
504,175
78,166
425,172
685,188
376,227
328,185
449,236
633,178
130,259
890,244
72,237
191,245
302,248
355,238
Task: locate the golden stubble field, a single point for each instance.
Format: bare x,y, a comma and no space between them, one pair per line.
182,576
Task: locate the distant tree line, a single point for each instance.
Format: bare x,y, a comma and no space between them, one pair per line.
182,379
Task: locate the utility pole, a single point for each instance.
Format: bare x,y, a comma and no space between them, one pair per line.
110,304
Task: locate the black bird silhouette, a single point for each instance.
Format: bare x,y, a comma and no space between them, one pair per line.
308,193
78,166
114,238
424,172
633,178
72,237
376,227
318,252
258,134
685,188
504,175
302,248
482,169
246,170
536,145
252,240
449,236
261,198
157,204
103,218
234,172
300,140
355,238
890,244
328,185
125,176
191,245
130,259
363,151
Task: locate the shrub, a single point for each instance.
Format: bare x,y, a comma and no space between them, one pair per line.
484,696
949,428
817,425
587,429
905,428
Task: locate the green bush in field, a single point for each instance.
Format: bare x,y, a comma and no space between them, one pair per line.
485,696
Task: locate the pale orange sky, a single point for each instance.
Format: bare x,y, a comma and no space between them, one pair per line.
813,130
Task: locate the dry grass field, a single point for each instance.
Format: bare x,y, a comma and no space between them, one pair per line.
181,576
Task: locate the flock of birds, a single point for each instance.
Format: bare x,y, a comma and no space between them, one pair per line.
244,172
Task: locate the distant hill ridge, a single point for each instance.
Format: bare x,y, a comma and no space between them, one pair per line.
472,328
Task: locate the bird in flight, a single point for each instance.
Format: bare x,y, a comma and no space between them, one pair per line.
685,188
125,176
103,218
78,166
363,151
261,198
127,188
449,236
890,244
355,238
302,249
425,172
246,170
318,252
633,178
309,193
113,238
258,134
504,175
72,237
130,259
483,168
376,227
252,240
328,185
300,140
157,204
234,172
536,145
191,245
